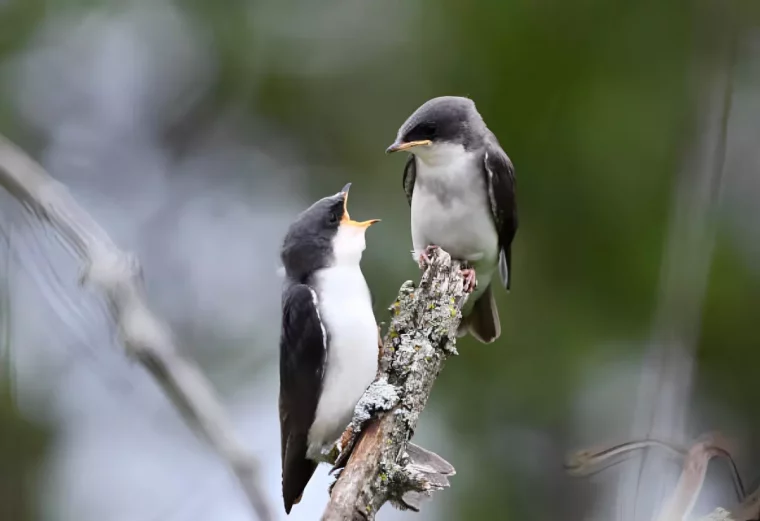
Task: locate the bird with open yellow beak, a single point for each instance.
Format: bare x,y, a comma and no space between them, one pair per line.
329,336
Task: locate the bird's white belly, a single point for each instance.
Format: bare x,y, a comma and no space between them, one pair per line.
450,209
346,311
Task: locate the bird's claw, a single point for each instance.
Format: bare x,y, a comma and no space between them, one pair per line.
345,446
469,279
425,256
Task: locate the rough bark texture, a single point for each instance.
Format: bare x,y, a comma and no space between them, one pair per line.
144,336
421,336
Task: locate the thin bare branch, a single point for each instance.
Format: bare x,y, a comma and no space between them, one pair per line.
684,497
747,510
590,461
145,337
696,459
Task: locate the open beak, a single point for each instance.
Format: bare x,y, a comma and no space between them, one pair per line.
346,219
398,146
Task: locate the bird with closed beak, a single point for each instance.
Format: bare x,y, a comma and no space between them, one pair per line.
329,336
461,188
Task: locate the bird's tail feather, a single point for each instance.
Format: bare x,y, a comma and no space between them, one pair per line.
297,471
435,470
483,321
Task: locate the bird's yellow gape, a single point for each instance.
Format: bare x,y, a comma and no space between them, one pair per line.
347,219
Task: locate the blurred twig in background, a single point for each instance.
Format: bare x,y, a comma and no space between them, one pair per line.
682,501
591,461
421,337
144,336
748,510
694,468
6,362
22,445
666,383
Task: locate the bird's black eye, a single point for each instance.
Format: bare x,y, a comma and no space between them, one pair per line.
333,217
426,130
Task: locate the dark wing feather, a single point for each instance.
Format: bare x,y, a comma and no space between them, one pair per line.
500,179
410,176
303,346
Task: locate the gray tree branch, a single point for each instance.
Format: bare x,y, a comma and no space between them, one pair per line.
145,337
384,466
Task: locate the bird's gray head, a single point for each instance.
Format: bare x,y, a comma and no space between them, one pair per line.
447,120
323,235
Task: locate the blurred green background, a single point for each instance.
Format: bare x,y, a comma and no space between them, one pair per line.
597,102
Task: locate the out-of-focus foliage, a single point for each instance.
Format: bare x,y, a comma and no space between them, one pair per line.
596,102
22,447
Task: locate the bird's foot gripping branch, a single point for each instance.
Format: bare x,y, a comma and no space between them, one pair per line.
382,465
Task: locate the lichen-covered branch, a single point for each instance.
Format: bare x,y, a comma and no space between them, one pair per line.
145,337
383,465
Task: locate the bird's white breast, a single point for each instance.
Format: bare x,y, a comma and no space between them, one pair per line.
450,205
346,311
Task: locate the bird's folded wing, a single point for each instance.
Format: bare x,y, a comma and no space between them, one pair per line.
410,176
501,183
303,345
